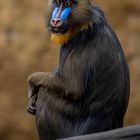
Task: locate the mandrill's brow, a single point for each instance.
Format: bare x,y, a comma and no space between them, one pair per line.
75,1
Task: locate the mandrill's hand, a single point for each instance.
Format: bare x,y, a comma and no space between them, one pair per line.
35,81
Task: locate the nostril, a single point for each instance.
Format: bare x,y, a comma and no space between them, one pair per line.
56,22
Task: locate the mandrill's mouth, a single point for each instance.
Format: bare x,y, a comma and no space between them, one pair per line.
60,35
59,30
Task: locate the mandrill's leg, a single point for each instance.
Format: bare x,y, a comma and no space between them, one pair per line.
36,80
52,81
39,78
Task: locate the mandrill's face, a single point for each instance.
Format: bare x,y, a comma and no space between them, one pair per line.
66,17
62,10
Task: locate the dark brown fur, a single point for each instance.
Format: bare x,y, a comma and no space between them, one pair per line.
89,90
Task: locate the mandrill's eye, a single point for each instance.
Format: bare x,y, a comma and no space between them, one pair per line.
68,3
57,3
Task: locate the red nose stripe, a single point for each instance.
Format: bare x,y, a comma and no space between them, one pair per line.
59,11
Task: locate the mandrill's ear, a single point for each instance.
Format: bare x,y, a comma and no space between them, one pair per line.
32,95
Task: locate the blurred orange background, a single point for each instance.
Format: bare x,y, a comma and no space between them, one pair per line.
25,48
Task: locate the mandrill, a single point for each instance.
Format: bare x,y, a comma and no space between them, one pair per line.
89,90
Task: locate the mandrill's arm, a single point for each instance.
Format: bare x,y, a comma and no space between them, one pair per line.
42,79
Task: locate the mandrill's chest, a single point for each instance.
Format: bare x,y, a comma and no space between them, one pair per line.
73,62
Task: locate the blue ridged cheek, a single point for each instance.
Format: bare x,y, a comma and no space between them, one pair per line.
65,14
55,12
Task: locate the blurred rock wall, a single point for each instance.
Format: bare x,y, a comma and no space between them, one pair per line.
25,48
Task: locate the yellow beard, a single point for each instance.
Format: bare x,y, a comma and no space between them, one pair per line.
61,39
64,38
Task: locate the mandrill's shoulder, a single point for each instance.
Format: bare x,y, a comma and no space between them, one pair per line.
98,15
